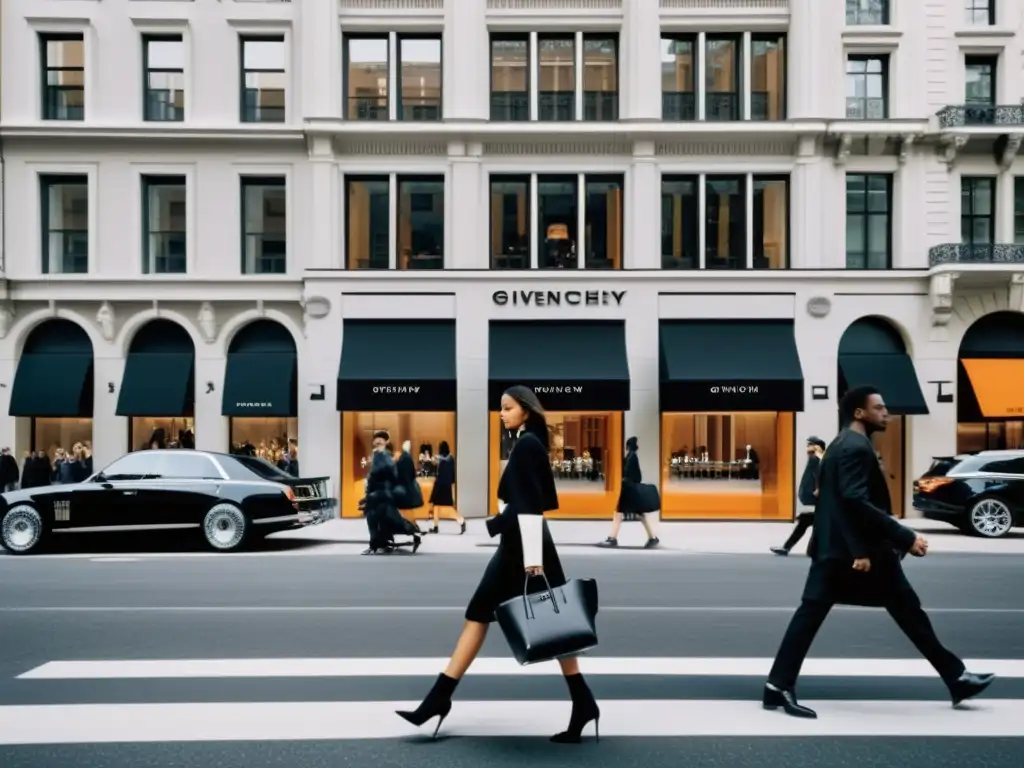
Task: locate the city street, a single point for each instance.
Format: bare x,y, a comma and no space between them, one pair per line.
286,659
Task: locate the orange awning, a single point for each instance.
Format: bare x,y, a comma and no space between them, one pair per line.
998,386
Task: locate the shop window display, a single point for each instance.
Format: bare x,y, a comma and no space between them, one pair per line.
586,460
989,436
50,435
274,438
424,430
727,465
161,432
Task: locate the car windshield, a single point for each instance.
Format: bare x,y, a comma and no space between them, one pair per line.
263,468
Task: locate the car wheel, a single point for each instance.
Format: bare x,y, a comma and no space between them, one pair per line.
225,528
21,530
990,517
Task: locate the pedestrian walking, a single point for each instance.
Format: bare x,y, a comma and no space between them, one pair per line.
856,559
636,500
383,520
526,491
807,494
442,494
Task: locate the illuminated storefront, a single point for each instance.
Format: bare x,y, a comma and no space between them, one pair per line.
990,402
397,376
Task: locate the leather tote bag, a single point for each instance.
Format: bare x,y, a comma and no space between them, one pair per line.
552,623
648,498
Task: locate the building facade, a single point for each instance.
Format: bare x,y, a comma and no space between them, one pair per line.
231,223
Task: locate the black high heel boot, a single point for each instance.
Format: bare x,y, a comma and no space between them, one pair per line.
584,709
438,703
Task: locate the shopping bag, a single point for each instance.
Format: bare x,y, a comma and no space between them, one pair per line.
648,499
552,623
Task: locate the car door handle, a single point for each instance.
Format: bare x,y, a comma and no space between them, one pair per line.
129,493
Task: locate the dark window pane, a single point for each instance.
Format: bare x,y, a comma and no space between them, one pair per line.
368,226
366,78
165,225
603,211
868,221
867,12
510,222
678,78
1018,210
510,78
556,78
63,77
65,224
768,78
979,12
771,223
557,213
164,97
980,80
419,78
722,78
264,226
680,222
264,79
600,77
421,222
725,228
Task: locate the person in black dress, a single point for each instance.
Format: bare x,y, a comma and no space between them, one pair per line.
383,519
441,494
526,491
630,505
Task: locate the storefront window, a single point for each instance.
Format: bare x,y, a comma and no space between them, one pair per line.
771,222
50,434
421,222
768,78
586,460
424,430
169,432
510,222
989,436
266,437
680,222
725,222
727,465
603,213
367,222
557,213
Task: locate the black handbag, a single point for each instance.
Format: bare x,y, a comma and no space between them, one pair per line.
648,498
550,624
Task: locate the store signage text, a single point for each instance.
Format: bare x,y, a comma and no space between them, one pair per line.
734,390
557,298
576,389
254,405
400,389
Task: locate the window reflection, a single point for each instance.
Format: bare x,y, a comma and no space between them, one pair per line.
768,78
264,79
556,77
680,222
146,432
977,216
678,78
366,78
972,437
866,87
274,438
421,222
510,78
725,222
603,211
64,84
771,222
419,77
510,222
264,226
868,221
165,78
557,213
722,79
367,222
600,77
53,434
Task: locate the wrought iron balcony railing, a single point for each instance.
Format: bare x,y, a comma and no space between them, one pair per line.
967,253
965,115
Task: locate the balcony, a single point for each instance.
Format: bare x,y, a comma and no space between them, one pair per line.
990,267
980,115
999,254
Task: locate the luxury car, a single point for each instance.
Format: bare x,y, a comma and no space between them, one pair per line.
981,493
230,500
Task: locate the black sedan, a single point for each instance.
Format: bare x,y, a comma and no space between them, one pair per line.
229,499
982,494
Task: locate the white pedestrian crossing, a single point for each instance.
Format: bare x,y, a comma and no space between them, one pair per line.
216,721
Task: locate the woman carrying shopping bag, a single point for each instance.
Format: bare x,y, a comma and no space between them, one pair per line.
637,501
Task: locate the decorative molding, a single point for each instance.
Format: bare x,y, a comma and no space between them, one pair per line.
391,6
1016,292
725,148
605,148
206,320
106,319
725,5
819,306
843,149
400,147
950,147
941,295
1009,152
906,144
532,6
7,314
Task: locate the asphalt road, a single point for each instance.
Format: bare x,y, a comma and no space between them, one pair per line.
324,607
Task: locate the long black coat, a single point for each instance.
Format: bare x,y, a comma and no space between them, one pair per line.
629,497
441,493
382,515
410,496
853,519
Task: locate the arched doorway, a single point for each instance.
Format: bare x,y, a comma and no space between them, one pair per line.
990,393
158,391
872,351
53,387
261,392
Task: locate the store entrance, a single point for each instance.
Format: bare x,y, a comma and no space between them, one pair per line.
891,449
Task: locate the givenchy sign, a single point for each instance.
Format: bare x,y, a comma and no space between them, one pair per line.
558,298
747,389
395,389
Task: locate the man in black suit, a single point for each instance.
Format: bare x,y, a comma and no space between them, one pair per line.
856,551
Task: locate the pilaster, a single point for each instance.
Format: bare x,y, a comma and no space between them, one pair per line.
466,61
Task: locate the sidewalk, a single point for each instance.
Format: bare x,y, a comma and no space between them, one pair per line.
580,537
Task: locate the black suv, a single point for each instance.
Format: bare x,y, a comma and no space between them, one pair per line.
981,493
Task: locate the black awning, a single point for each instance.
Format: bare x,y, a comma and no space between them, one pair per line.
571,365
893,374
157,384
261,376
397,365
54,378
730,365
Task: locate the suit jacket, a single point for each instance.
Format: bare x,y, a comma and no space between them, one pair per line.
527,486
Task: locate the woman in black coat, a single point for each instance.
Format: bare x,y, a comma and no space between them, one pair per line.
631,504
526,491
383,519
441,494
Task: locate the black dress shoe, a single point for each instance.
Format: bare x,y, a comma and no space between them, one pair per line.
774,698
780,551
969,685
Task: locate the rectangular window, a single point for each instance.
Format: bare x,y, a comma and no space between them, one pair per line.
63,76
860,13
556,77
264,79
510,78
980,12
678,77
421,222
977,210
64,207
164,225
557,221
367,222
723,80
725,222
868,221
601,77
768,77
1018,210
510,222
980,80
680,222
264,225
164,78
366,77
867,87
771,222
602,237
419,77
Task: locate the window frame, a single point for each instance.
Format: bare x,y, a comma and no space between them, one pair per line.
971,216
885,11
46,182
786,178
971,12
884,58
1018,210
150,180
147,38
46,69
346,63
508,178
535,61
613,37
766,37
866,216
396,225
742,84
983,60
530,56
397,79
696,88
267,37
270,181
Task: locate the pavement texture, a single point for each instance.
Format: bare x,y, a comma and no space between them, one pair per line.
139,662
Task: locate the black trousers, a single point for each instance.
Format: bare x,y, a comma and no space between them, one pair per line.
905,609
803,521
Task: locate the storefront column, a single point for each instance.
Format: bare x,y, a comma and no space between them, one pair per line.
644,203
806,192
213,432
325,211
467,204
473,438
319,420
643,419
466,93
109,431
640,59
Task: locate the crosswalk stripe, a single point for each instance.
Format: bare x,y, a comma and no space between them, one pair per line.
286,721
121,669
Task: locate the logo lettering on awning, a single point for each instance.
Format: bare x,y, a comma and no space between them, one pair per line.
742,389
400,389
570,389
253,405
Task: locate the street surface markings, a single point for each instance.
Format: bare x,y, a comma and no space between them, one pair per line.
361,720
